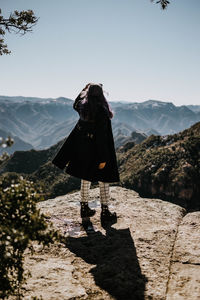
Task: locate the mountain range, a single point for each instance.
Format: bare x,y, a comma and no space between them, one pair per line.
19,144
167,167
42,122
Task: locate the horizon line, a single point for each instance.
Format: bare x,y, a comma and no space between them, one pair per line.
121,101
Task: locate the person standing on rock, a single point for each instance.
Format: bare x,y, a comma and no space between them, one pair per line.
88,152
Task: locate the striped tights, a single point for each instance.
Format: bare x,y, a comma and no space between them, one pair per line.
104,191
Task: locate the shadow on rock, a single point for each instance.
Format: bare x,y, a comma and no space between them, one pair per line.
117,269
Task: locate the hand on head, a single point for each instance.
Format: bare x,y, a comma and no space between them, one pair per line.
90,83
86,87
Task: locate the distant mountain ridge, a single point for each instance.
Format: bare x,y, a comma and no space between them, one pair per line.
167,167
164,117
42,122
194,108
18,143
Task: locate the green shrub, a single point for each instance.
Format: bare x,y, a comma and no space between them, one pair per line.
21,223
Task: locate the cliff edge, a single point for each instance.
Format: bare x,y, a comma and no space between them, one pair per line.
152,252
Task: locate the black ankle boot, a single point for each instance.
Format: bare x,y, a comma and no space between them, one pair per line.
106,215
86,211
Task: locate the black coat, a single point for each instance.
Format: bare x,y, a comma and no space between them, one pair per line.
89,144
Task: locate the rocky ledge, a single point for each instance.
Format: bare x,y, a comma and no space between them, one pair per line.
152,252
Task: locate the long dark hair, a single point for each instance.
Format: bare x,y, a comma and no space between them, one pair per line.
93,98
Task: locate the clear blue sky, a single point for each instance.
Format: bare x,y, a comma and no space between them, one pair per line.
134,48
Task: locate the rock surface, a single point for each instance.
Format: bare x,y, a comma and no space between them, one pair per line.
184,280
152,252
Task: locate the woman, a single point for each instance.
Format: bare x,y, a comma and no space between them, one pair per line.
88,152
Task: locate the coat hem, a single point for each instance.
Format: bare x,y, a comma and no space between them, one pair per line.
93,179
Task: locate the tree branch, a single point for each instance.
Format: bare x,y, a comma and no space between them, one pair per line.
18,22
163,3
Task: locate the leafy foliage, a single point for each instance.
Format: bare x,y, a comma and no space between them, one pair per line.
163,3
21,223
8,142
18,22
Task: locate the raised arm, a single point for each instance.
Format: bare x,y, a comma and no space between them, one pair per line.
80,97
76,102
